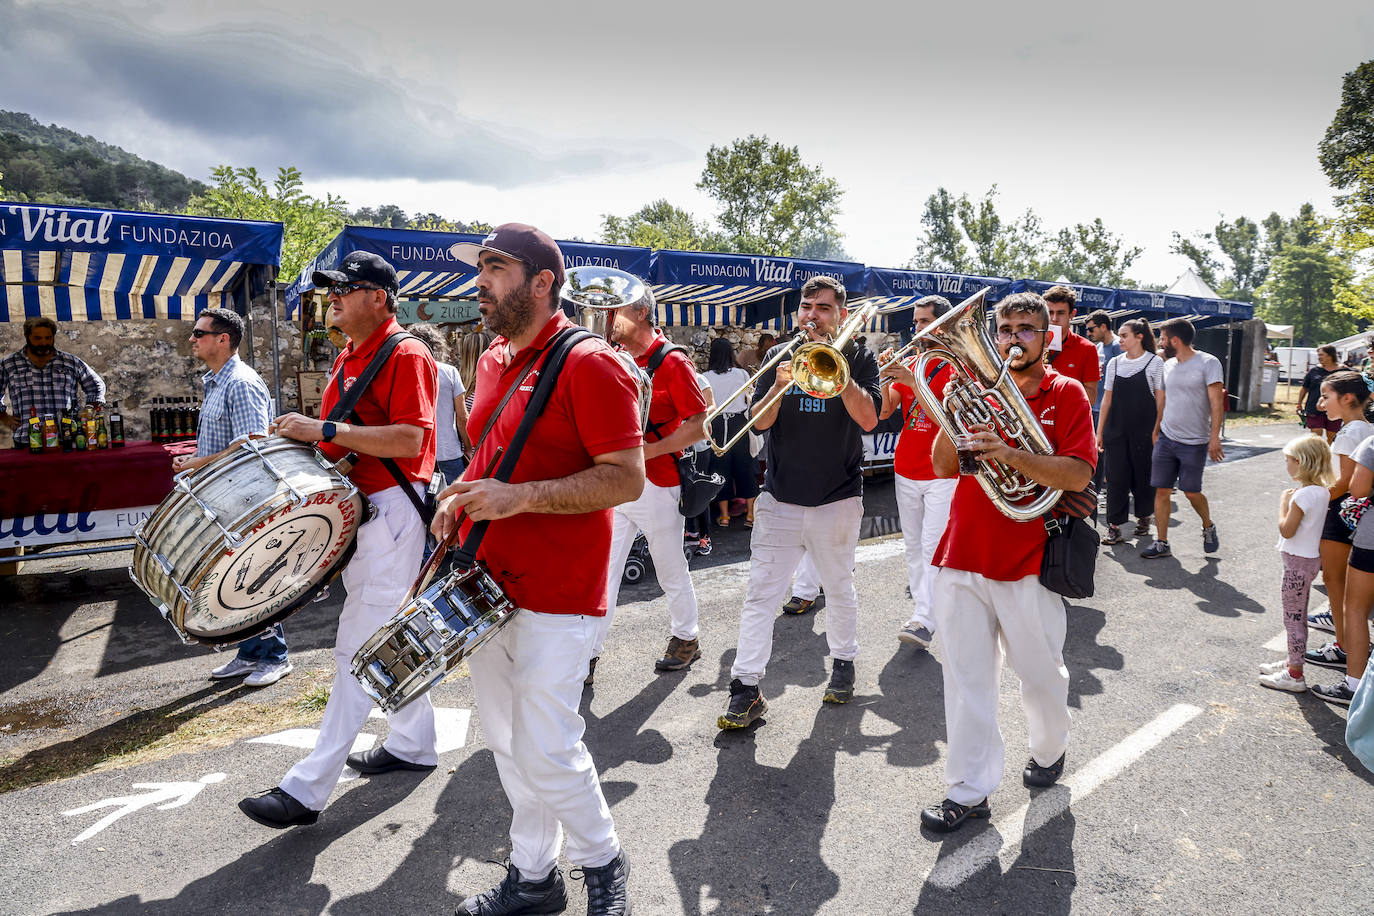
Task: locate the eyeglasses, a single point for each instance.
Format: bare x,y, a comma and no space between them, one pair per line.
339,290
1025,336
198,333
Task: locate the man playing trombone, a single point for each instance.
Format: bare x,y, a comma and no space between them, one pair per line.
812,498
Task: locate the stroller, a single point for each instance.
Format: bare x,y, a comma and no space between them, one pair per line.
639,561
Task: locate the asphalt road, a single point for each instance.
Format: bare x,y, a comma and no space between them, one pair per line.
1189,788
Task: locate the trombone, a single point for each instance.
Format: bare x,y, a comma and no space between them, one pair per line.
819,369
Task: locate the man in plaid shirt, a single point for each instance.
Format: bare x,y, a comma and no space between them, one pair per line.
236,406
41,376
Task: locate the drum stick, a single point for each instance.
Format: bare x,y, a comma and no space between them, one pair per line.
432,564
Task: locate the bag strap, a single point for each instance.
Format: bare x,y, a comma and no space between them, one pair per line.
349,399
552,367
654,362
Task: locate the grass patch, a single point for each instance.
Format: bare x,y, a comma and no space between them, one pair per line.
207,718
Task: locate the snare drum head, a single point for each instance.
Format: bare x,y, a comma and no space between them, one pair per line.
275,569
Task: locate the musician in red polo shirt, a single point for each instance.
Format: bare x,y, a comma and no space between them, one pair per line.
547,544
397,422
988,584
1077,358
922,496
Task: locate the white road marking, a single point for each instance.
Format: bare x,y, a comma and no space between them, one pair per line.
170,794
1003,844
1277,644
450,726
305,739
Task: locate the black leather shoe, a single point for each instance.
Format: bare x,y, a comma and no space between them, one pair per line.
380,760
949,816
841,687
1037,777
277,809
608,887
515,896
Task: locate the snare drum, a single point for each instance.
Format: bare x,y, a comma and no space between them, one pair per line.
246,540
428,637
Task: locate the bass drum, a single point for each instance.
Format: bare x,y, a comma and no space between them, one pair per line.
245,541
430,636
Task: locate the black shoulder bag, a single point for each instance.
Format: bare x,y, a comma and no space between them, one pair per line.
697,485
1070,559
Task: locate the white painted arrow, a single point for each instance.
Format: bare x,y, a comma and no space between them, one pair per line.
450,728
174,794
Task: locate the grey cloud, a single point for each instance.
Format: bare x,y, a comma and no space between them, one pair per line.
246,97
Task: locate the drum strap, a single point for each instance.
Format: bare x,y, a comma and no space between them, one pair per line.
558,352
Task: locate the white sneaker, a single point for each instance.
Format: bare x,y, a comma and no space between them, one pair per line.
1274,667
235,667
266,673
1282,680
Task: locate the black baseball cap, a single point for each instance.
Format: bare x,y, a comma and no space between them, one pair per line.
521,242
360,267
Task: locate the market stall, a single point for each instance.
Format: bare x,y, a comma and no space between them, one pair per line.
75,265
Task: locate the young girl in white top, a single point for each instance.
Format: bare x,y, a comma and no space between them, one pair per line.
1344,397
1302,512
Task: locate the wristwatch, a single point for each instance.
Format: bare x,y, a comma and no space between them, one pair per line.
327,434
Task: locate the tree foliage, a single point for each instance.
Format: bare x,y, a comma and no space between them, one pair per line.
1307,275
771,202
660,225
1350,138
241,193
390,216
1247,248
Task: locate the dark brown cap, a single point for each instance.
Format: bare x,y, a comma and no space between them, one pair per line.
519,241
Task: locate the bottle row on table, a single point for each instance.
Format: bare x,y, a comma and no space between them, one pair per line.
75,431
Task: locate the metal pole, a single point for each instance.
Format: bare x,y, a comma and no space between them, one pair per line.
248,320
276,343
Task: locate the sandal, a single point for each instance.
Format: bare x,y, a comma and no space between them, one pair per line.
749,523
723,522
949,816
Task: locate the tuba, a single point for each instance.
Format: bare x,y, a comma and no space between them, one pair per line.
983,393
594,294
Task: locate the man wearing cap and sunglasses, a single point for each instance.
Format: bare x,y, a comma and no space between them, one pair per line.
546,544
396,415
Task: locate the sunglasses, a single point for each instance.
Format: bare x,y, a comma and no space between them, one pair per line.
339,290
197,333
1024,336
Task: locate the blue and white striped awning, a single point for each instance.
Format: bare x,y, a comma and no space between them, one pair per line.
739,289
694,315
81,264
426,270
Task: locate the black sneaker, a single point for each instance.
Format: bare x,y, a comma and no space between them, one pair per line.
1210,542
841,689
1037,777
515,896
1336,693
796,606
1113,535
948,816
746,706
1328,656
1142,527
1156,550
608,887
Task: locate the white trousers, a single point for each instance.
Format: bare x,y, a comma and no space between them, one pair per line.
923,507
528,680
974,615
782,533
808,582
655,513
385,563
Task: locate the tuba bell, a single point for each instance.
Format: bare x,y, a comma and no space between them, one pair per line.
984,393
594,293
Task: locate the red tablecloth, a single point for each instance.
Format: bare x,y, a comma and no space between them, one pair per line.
139,474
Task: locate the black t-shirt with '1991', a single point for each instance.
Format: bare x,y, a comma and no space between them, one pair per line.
814,449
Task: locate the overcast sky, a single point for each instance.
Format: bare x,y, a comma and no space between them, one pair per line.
1157,120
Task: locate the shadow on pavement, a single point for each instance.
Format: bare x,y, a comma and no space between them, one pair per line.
618,738
1329,726
1083,653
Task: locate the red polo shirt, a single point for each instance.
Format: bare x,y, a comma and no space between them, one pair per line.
554,564
1078,359
403,391
676,395
982,540
917,440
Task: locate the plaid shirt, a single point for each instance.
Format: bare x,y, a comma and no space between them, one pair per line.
49,389
236,404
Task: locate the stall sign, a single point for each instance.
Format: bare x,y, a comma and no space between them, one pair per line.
438,311
880,450
71,527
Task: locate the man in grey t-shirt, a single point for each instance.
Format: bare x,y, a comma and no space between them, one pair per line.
1187,432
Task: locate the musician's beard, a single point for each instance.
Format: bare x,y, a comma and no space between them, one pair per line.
512,313
45,350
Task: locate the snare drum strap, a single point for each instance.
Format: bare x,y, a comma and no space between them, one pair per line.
543,390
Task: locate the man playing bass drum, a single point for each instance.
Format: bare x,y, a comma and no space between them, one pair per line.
989,583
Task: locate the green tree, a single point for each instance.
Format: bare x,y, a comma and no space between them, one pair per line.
1001,248
433,222
1090,253
1304,280
942,245
1350,137
1247,248
660,225
1354,233
241,193
771,202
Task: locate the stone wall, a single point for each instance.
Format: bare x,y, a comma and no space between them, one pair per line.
141,360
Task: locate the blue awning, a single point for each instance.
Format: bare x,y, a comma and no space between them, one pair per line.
894,289
83,264
426,270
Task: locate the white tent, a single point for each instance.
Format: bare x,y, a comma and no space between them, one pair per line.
1279,330
1190,284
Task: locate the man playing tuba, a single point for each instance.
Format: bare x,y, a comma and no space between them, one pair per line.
989,584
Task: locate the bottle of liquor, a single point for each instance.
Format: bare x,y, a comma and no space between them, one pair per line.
116,426
187,430
178,432
155,419
79,436
88,423
102,432
50,443
66,430
35,432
